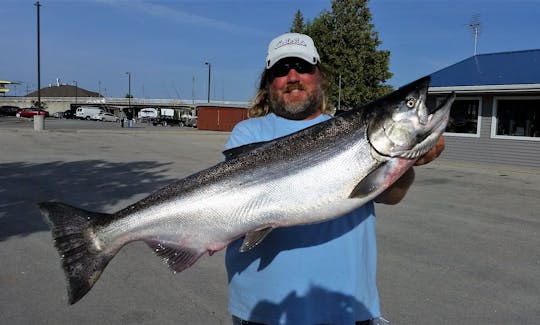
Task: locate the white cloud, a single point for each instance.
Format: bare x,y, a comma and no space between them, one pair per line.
178,16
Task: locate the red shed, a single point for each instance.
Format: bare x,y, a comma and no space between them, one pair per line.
219,118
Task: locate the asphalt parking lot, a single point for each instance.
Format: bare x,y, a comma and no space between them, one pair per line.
462,248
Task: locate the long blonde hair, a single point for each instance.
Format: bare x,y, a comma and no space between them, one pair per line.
261,103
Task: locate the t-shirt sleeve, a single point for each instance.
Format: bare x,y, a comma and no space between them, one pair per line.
241,134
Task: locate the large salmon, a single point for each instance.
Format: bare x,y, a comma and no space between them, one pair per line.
313,175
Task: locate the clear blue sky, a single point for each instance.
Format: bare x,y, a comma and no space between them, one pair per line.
165,43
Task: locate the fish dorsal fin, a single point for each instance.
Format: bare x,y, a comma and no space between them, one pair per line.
238,151
373,181
254,238
178,258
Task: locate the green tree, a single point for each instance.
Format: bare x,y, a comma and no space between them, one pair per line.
298,25
41,105
347,44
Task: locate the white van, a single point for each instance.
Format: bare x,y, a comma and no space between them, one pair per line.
148,113
86,112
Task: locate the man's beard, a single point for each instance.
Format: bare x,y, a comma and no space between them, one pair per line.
299,110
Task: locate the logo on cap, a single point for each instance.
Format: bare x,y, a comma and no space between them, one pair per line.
290,41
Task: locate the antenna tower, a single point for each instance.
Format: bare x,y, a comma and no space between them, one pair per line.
474,25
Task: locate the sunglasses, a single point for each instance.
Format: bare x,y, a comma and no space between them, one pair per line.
282,67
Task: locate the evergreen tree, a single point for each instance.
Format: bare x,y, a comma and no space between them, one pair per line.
347,44
298,25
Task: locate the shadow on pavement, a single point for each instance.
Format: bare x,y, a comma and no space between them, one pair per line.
90,184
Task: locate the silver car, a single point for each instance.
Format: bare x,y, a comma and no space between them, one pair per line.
105,117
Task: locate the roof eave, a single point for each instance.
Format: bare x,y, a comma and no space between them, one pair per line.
517,88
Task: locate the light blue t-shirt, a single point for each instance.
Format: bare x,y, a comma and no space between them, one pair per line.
311,274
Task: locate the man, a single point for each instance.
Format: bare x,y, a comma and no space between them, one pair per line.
311,274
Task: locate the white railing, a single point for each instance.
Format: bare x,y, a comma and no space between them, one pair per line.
27,101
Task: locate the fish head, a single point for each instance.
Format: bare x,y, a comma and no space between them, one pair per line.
403,126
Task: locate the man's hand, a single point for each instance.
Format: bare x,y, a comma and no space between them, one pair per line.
433,153
396,192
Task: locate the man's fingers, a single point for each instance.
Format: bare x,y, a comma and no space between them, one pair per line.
433,154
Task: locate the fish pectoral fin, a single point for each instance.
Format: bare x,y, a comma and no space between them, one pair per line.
254,238
373,181
178,258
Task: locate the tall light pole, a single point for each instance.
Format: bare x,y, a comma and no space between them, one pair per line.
37,4
39,120
193,90
129,89
209,76
76,86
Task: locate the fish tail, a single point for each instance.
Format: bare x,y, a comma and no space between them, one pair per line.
83,259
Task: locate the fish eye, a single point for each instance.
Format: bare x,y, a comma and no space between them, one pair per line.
411,102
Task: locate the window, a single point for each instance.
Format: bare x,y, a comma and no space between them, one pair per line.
464,116
517,117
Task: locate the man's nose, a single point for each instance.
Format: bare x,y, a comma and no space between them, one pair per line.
292,76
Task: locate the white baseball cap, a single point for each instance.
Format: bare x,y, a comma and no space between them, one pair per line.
291,45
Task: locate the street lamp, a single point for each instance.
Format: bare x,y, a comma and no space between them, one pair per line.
76,86
128,112
39,121
209,74
37,4
129,89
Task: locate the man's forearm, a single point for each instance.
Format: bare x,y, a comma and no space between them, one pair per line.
396,192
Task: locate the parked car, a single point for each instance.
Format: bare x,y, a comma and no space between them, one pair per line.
32,111
7,110
105,117
69,114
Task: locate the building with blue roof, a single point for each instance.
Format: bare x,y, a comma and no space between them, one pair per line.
496,115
